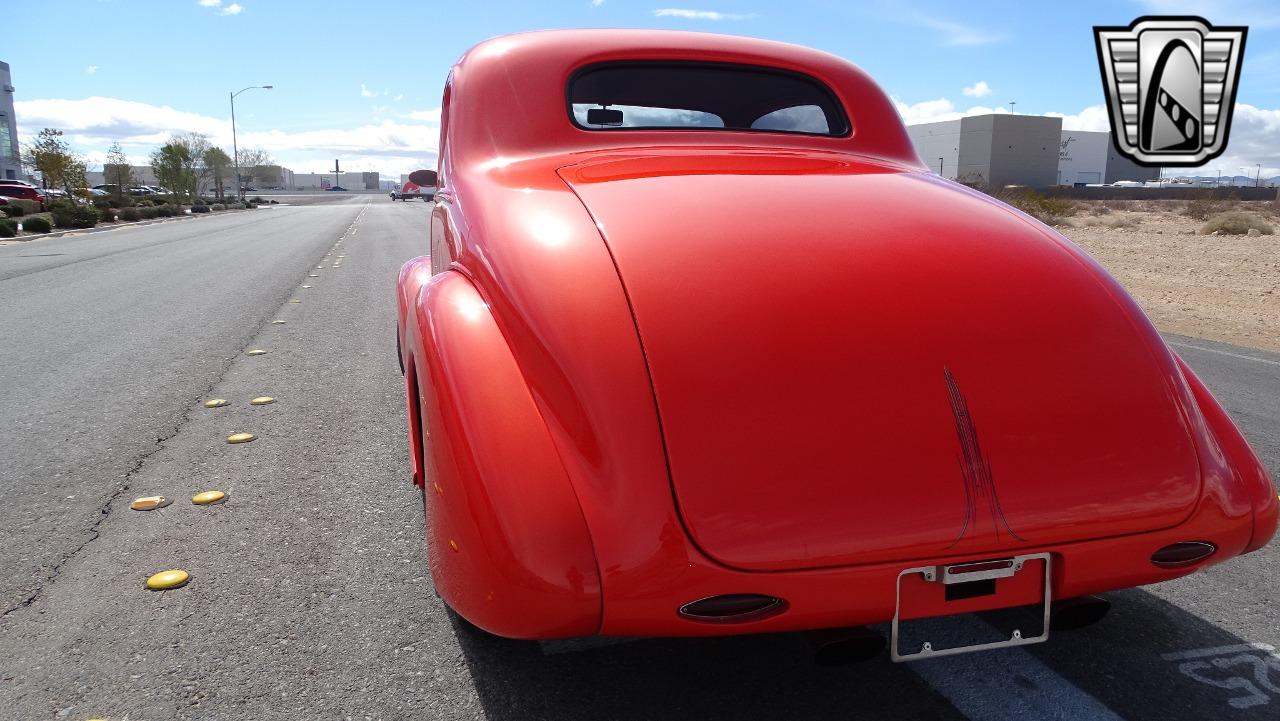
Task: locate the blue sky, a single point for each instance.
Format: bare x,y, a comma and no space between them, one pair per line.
362,81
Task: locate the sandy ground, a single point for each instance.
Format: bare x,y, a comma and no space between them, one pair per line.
1224,288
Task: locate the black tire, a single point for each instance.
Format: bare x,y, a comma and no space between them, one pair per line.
399,353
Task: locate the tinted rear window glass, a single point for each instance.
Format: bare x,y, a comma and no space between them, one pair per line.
697,96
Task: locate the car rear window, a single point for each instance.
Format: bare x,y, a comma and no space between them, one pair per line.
700,96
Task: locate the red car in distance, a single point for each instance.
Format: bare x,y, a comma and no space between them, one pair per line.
702,347
12,189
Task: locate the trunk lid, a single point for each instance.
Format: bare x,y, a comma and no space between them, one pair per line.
856,365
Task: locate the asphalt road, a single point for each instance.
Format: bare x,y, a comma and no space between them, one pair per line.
310,597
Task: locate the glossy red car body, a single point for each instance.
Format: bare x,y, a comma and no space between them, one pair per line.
648,367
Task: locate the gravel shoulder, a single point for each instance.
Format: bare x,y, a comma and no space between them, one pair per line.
1224,288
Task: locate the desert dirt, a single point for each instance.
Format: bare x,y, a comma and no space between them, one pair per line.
1224,288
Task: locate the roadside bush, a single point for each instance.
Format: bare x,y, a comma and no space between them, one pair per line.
148,212
101,201
60,204
165,211
200,209
235,206
75,216
145,203
130,214
218,206
29,207
1236,222
14,210
1037,205
8,228
1115,221
37,224
257,199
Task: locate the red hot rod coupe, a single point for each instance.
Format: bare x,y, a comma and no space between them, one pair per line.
701,347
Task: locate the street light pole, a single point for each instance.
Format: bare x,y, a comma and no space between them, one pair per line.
1257,182
235,149
939,166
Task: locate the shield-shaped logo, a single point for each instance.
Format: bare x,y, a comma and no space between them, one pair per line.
1171,86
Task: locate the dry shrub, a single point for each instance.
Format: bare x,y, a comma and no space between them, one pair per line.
1236,222
1115,221
1038,205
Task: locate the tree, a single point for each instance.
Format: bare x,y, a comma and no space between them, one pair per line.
169,163
195,145
256,163
217,162
58,166
117,171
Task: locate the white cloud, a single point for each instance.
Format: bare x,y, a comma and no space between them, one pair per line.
210,3
232,9
700,14
1092,118
979,89
597,3
91,69
366,92
934,111
429,116
94,123
380,108
399,97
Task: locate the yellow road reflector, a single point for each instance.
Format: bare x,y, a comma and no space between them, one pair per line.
313,275
165,580
257,351
241,438
149,503
295,300
277,322
306,286
262,401
208,498
216,403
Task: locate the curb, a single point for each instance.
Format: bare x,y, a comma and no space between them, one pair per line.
116,226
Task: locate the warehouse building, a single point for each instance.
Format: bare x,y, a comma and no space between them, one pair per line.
323,181
1028,150
10,162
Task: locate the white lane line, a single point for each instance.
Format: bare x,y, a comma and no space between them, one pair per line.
1008,685
1255,359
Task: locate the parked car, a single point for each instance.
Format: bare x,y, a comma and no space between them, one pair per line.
641,402
337,188
25,192
13,181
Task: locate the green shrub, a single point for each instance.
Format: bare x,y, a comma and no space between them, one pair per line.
130,214
75,216
199,209
145,203
37,224
1236,222
8,228
165,211
218,206
29,207
101,201
149,211
14,210
61,204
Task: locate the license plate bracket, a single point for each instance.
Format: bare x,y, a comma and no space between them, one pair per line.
931,589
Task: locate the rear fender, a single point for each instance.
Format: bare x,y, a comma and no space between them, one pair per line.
1248,469
509,548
